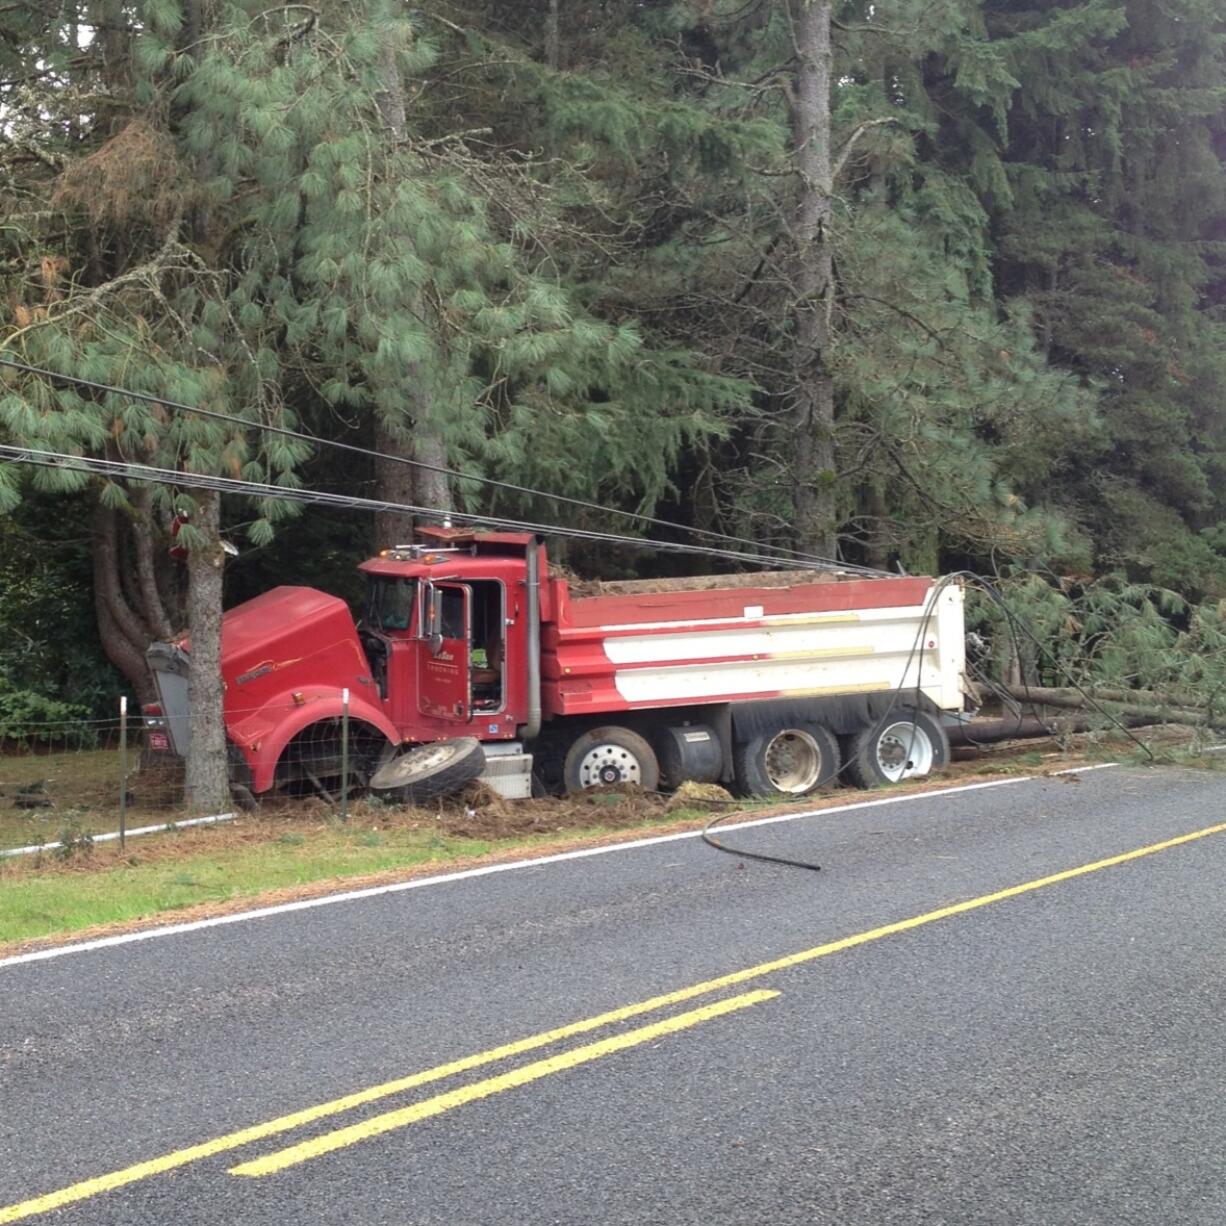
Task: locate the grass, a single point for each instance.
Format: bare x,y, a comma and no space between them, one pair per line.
83,788
46,899
289,849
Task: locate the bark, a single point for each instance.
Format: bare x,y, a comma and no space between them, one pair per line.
1141,705
208,787
411,437
877,548
811,412
207,784
107,577
193,41
1030,727
551,35
144,553
125,638
433,488
113,39
120,650
394,483
1067,696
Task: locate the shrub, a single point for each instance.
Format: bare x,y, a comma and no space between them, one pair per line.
30,718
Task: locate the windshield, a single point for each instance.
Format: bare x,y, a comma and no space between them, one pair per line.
389,604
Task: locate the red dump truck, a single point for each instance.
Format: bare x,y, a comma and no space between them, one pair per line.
471,658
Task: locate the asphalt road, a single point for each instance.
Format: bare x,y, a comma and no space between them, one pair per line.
1047,1055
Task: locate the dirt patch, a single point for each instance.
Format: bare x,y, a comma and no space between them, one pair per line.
486,815
582,588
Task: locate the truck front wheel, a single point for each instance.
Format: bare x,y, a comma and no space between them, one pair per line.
429,771
905,744
788,762
610,755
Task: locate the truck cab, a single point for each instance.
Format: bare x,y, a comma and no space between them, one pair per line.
444,629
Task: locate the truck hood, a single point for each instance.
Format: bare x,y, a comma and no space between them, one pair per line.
283,639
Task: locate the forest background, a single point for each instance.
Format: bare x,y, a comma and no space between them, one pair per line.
932,284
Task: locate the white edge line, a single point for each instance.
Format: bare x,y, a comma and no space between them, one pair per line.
165,827
1081,770
305,904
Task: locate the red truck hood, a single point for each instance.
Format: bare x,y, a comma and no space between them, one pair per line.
278,632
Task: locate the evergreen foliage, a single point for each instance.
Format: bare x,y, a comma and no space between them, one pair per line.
578,268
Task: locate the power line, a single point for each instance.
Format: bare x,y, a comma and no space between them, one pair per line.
805,560
255,489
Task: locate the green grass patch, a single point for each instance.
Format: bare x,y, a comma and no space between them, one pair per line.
38,904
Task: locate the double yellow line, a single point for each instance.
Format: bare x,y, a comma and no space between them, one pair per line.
534,1071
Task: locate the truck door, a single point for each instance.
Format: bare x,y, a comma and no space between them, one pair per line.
444,687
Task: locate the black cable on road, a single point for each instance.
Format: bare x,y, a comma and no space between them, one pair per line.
711,841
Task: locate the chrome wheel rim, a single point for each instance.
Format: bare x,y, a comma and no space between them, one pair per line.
607,764
904,751
793,761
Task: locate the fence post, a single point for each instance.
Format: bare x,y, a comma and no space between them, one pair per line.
123,769
345,754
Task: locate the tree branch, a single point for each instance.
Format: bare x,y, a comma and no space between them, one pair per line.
849,144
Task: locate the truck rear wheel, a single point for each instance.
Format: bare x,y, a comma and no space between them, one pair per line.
904,744
606,756
787,762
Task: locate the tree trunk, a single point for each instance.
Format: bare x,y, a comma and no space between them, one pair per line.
208,788
1143,707
124,637
394,483
811,416
411,436
877,542
207,784
144,553
551,35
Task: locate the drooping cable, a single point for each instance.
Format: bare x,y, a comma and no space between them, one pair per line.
781,551
254,489
745,853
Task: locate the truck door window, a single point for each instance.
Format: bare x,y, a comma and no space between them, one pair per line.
451,618
489,639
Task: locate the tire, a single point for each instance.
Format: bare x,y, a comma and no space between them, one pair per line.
429,771
793,761
904,744
610,755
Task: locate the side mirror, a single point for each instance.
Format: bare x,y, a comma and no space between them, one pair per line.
432,618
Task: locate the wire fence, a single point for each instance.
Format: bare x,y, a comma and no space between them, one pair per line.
85,778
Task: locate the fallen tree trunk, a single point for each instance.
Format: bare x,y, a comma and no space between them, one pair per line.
1028,727
1140,705
1067,696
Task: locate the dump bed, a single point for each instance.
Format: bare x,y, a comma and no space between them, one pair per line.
632,646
